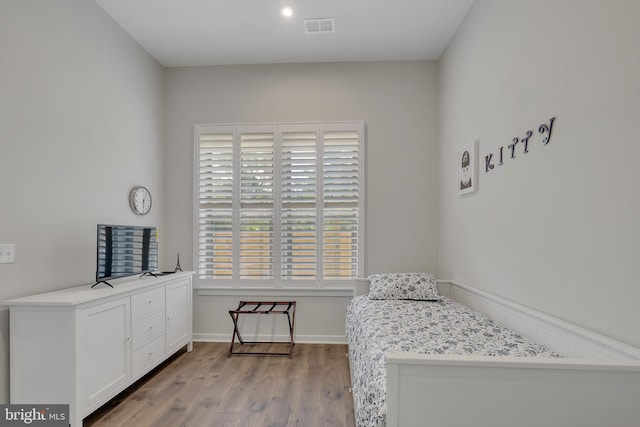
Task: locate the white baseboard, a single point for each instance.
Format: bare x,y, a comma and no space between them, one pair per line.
299,339
567,339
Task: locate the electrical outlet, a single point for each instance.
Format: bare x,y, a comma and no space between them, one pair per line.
7,253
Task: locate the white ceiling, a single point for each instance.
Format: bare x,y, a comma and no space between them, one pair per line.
214,32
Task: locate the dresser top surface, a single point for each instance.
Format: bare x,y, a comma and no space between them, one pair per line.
85,293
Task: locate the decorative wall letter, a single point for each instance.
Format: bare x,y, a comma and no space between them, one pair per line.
487,162
525,140
513,147
547,129
544,129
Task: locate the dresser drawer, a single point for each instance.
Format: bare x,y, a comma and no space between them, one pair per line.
148,355
147,328
148,302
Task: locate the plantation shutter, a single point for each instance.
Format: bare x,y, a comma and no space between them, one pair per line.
298,204
341,195
279,205
215,203
257,208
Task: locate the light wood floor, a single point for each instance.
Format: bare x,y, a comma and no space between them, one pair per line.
206,388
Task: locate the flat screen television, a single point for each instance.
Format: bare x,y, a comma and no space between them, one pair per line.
125,250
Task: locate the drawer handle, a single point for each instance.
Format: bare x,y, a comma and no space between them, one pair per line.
153,353
151,328
150,301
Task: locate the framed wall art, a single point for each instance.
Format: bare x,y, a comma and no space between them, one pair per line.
468,168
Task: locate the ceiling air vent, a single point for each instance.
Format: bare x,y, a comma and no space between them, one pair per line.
319,26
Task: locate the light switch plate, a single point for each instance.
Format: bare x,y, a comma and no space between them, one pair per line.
7,253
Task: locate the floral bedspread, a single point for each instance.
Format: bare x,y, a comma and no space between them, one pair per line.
377,327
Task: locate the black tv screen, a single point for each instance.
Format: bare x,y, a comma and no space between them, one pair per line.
125,250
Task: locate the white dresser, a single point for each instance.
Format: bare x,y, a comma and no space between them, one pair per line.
82,346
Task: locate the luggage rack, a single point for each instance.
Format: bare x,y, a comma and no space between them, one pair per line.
287,308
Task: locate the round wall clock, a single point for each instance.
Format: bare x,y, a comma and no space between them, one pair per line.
140,200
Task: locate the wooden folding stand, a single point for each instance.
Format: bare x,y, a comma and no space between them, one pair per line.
287,308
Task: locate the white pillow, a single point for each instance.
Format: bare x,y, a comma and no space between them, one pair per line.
408,286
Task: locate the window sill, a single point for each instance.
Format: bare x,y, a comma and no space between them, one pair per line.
274,292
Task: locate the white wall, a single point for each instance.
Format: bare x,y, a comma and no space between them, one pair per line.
81,109
555,229
397,101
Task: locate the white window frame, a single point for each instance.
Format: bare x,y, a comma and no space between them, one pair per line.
318,283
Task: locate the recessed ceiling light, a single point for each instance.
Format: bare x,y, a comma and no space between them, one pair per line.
287,11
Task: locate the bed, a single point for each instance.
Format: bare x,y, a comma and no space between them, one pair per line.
419,358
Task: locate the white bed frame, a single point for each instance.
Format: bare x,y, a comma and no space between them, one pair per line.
597,384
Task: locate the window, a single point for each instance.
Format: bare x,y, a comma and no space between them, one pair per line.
279,205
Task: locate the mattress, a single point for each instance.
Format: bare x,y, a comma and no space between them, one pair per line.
377,327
